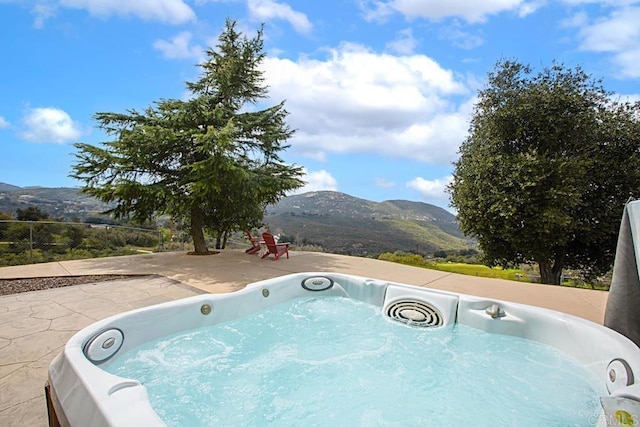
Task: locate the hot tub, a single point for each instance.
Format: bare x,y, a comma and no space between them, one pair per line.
82,391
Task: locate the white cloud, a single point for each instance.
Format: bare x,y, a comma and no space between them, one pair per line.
601,2
264,10
577,20
384,183
361,101
43,12
434,190
375,10
627,98
42,9
179,47
3,123
168,11
470,11
618,35
404,43
528,8
461,38
49,125
613,33
629,62
317,181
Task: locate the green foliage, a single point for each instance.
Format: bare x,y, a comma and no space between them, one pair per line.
31,213
544,174
16,233
463,256
74,235
407,259
459,268
481,271
308,248
212,161
42,241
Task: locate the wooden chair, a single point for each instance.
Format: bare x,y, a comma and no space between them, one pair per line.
255,243
277,249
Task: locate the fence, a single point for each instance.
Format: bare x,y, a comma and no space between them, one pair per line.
26,242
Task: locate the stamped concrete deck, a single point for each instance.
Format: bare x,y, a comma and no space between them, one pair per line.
34,326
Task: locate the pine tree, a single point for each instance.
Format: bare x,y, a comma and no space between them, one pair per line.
202,160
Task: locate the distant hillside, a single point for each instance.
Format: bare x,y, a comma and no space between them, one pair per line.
344,224
338,222
60,203
8,187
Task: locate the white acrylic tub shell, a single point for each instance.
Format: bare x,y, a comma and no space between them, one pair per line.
88,395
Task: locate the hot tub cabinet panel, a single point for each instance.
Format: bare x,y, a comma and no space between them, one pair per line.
88,395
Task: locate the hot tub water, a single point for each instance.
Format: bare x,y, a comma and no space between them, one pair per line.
339,361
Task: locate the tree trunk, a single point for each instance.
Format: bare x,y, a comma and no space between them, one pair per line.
552,274
197,233
547,274
221,239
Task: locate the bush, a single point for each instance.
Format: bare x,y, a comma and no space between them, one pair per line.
36,242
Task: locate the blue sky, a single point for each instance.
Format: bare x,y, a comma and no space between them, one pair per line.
379,91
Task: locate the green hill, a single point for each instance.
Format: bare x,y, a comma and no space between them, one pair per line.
348,225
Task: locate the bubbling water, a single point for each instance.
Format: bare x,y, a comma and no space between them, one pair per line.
338,361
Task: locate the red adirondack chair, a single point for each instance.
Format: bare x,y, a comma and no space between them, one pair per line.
255,243
277,249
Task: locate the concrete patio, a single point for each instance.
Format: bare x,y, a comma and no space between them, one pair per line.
35,326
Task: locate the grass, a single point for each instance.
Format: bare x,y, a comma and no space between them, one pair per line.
460,268
583,285
482,271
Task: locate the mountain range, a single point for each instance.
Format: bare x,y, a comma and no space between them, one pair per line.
337,222
344,224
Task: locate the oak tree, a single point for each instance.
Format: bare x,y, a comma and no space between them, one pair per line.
550,160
